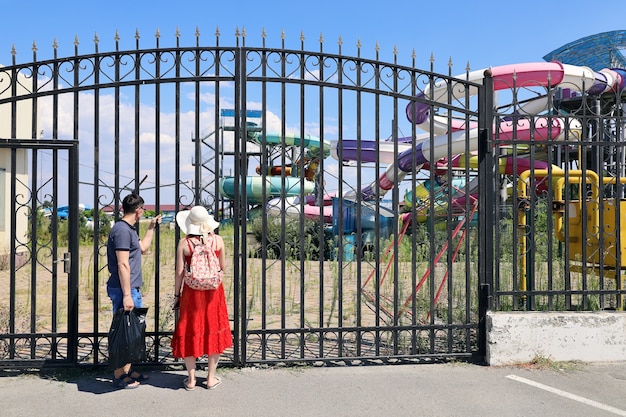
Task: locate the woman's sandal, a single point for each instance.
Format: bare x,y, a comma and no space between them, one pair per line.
125,382
187,386
206,383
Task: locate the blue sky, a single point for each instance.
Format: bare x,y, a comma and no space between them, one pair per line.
481,33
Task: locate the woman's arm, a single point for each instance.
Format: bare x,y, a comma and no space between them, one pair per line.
222,249
180,266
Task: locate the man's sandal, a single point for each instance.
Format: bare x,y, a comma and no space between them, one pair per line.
137,376
125,382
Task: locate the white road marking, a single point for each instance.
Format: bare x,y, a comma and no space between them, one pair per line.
571,396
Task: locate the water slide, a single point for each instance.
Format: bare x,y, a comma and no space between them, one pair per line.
274,188
293,206
277,184
450,137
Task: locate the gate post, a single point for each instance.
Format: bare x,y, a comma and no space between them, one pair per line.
73,248
486,181
240,212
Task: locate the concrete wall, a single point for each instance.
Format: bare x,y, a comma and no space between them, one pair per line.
516,337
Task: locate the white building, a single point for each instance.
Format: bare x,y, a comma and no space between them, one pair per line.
20,170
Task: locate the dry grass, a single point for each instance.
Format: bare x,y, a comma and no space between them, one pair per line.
279,294
41,290
546,364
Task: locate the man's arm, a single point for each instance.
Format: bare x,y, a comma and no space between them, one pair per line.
123,269
145,243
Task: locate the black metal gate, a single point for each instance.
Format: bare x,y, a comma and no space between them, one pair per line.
40,307
312,167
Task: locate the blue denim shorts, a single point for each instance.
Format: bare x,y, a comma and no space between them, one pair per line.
117,297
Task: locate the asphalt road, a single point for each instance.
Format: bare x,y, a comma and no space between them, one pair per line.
452,389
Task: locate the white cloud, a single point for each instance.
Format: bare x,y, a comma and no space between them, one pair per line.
146,134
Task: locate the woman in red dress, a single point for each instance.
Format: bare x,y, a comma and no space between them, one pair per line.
203,327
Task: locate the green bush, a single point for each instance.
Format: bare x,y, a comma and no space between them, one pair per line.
298,242
86,233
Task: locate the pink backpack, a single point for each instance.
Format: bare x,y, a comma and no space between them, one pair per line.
204,271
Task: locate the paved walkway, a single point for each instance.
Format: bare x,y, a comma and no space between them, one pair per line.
456,389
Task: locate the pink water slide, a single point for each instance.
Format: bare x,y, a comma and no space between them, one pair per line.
451,137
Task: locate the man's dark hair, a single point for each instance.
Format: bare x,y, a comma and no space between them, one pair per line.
131,203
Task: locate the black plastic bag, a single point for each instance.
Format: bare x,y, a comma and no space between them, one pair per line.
127,343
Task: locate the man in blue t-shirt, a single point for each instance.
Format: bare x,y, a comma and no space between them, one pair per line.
124,250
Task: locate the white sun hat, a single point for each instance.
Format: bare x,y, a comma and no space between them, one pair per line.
196,221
